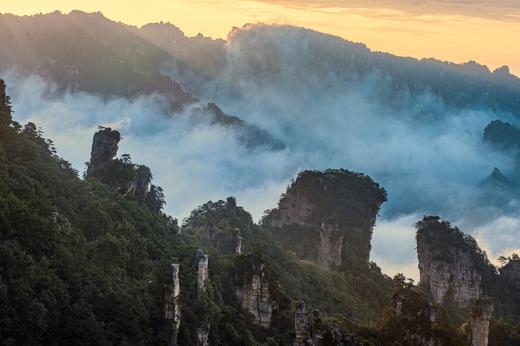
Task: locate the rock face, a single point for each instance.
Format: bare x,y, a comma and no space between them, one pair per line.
172,311
202,271
450,263
302,326
480,319
202,277
238,243
502,135
417,318
511,273
129,179
328,217
203,335
104,150
5,105
254,292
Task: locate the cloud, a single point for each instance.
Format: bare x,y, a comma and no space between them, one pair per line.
428,155
393,247
298,85
500,10
193,161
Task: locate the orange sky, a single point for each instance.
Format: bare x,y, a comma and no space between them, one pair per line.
456,30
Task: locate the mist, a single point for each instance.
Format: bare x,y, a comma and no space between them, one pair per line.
429,156
332,110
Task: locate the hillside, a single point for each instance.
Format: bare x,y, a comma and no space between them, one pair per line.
86,52
86,263
93,262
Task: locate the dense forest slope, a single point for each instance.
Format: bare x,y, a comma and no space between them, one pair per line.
97,261
84,262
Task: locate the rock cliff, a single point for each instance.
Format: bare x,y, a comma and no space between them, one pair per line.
202,271
202,277
511,273
302,326
502,135
172,311
480,318
104,150
452,266
419,322
254,289
328,217
5,105
129,179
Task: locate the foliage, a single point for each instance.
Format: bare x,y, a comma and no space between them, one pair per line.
434,233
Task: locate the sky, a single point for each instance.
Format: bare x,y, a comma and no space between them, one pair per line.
487,31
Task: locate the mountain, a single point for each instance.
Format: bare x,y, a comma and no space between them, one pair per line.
88,262
82,52
270,54
93,262
502,135
97,260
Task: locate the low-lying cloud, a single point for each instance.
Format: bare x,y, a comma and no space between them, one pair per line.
428,155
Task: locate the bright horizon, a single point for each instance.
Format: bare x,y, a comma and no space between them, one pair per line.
456,31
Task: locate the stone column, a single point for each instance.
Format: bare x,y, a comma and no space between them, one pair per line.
302,326
202,271
172,311
202,278
480,318
238,244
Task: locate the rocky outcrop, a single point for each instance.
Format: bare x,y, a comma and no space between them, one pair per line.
452,267
203,335
254,290
480,319
511,273
104,150
202,277
129,179
331,246
5,105
502,135
302,326
416,318
172,311
238,243
328,217
202,271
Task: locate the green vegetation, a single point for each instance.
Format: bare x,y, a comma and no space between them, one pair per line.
82,264
435,233
344,201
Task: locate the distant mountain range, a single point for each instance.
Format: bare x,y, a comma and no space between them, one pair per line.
258,74
90,53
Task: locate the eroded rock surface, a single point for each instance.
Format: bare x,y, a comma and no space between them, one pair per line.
302,326
254,291
202,277
104,150
202,271
130,180
450,263
328,217
481,315
511,273
417,318
172,311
